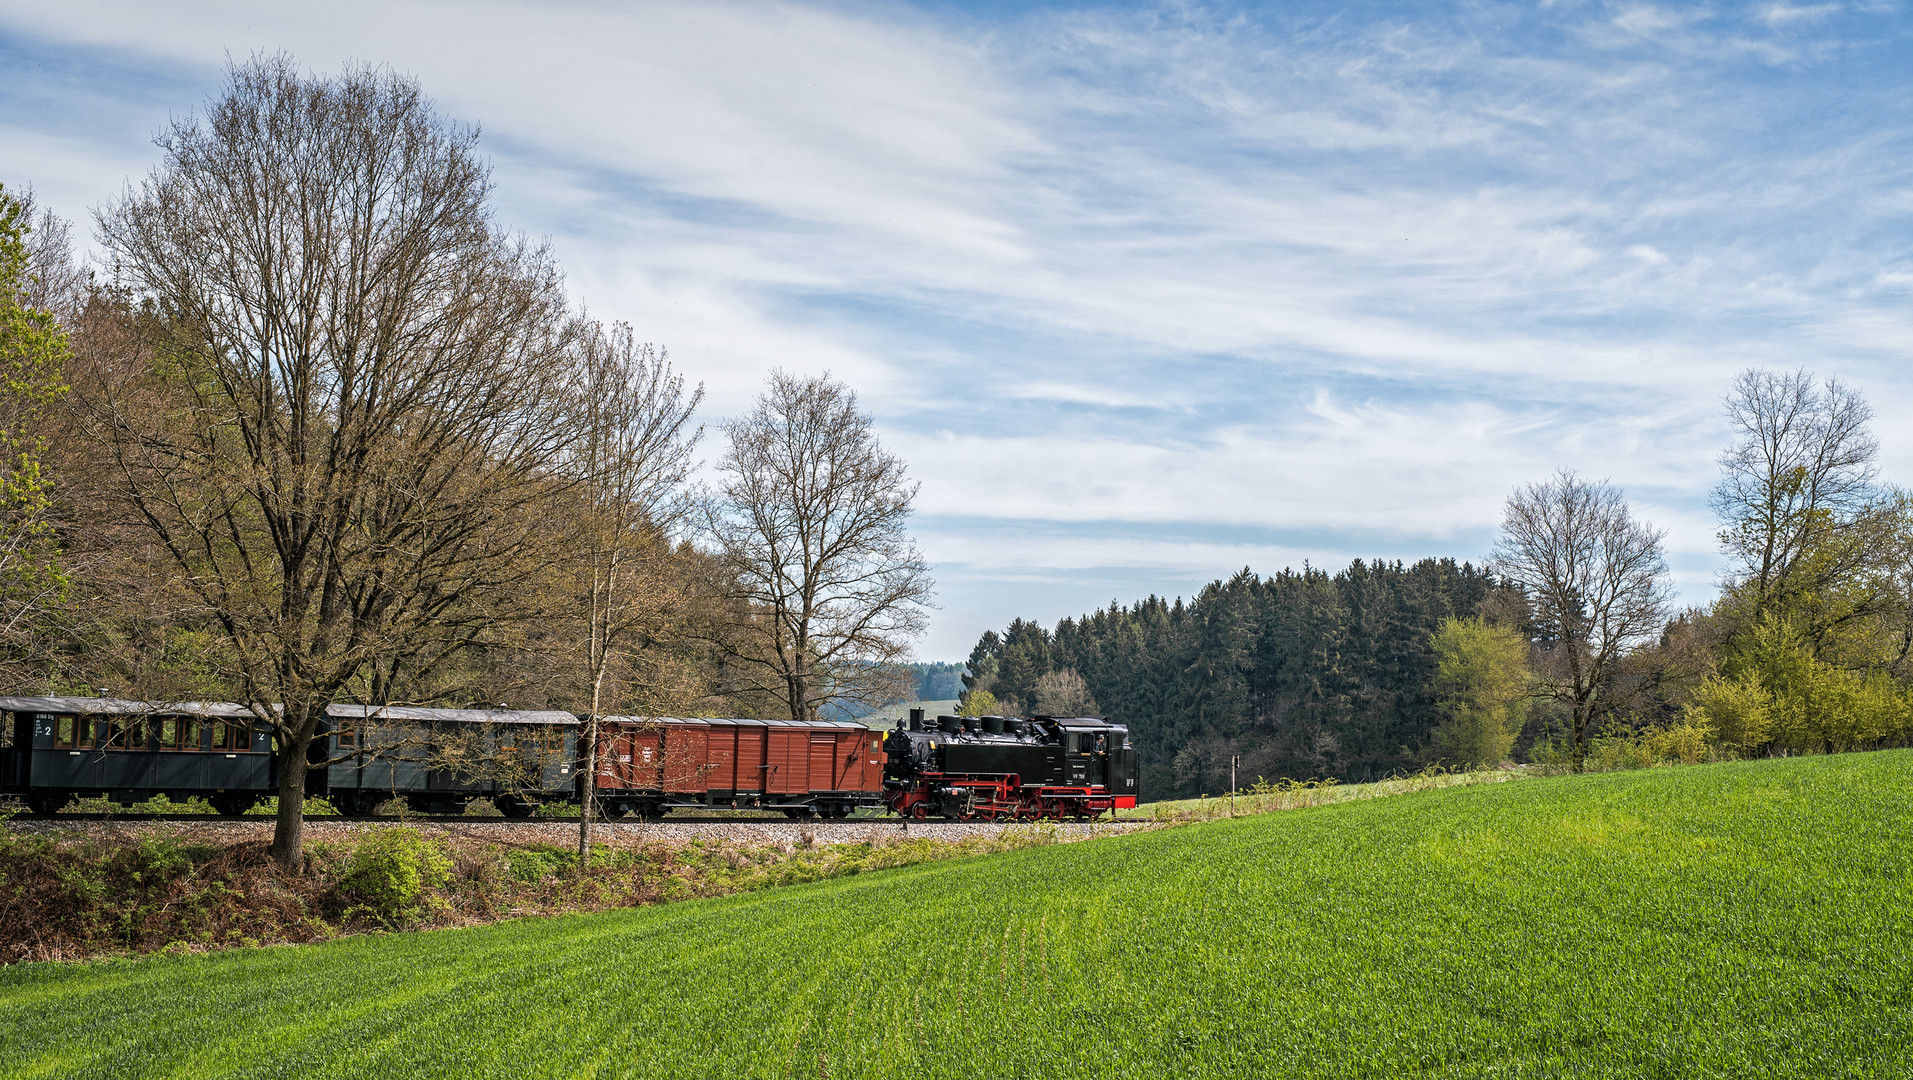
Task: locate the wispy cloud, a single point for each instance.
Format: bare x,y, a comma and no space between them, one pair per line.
1138,289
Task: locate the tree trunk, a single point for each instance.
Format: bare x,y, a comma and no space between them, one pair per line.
289,828
589,793
1583,720
799,698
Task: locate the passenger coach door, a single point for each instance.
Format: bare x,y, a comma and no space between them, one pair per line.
15,747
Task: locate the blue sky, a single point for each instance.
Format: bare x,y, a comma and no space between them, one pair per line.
1147,293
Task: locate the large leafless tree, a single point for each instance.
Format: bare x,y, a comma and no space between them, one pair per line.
1802,513
634,452
351,425
1595,581
811,522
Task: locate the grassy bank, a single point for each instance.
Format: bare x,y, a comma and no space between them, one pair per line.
80,893
1266,797
1745,919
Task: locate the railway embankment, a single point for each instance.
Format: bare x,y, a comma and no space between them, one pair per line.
562,833
80,889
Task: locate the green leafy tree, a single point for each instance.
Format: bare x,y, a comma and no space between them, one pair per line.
1482,687
1775,696
978,703
33,355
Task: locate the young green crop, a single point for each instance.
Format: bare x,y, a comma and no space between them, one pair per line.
1746,919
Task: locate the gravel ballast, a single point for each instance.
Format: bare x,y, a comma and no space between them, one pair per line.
565,833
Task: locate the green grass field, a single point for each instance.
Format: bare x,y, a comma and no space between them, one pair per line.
1751,919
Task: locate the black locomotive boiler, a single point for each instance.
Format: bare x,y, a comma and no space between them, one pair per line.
990,767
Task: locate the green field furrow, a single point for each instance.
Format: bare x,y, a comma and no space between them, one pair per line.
1748,919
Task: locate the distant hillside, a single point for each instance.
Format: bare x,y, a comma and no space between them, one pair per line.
937,682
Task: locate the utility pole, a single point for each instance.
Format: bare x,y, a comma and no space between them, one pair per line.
1234,760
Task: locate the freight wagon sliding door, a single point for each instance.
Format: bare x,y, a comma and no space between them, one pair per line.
789,771
722,758
751,743
823,761
637,759
684,759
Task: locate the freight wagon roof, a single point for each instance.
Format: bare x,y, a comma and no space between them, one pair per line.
454,716
119,707
815,725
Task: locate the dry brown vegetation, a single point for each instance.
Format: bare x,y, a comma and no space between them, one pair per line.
77,894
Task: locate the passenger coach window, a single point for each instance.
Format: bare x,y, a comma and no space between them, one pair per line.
126,734
179,734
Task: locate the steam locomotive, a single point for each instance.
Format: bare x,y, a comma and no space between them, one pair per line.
440,760
991,767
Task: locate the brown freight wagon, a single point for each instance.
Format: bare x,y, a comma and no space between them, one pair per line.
820,768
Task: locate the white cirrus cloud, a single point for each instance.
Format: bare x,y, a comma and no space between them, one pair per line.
1144,289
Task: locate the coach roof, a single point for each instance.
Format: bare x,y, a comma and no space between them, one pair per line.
455,716
118,707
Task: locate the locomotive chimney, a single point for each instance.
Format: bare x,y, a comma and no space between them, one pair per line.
916,719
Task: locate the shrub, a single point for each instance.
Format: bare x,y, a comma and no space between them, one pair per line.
539,862
1683,743
389,874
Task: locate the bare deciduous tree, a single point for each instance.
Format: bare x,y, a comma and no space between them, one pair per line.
1063,693
1596,582
636,442
350,431
55,281
811,528
1802,515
